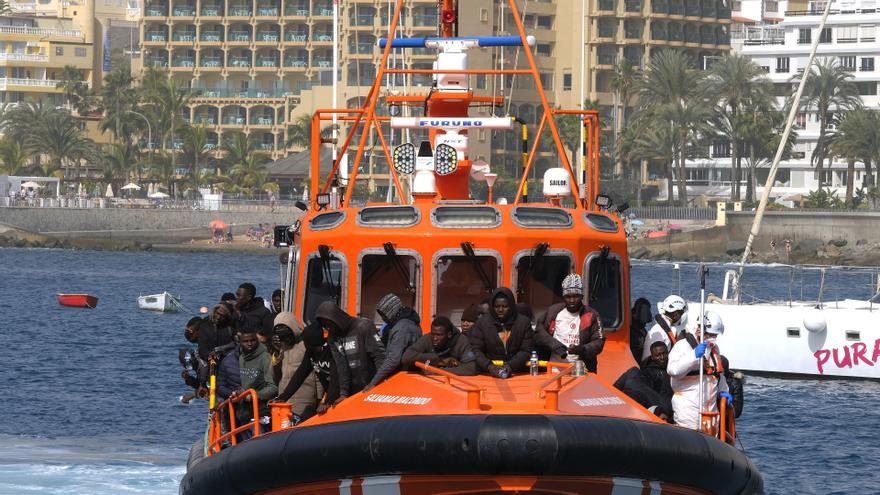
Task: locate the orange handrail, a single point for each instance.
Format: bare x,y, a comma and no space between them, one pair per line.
215,435
551,395
473,391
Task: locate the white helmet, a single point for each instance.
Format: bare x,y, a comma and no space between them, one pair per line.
672,304
713,323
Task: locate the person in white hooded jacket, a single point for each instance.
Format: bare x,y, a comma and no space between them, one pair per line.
668,325
684,372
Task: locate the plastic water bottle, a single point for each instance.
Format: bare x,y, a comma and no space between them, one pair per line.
533,364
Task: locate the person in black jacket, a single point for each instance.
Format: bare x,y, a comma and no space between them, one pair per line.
502,335
318,358
402,331
356,347
735,382
445,347
641,316
251,312
656,377
572,327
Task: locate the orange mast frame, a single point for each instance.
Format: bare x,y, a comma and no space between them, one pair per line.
366,118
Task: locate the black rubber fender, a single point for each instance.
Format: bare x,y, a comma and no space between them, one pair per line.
477,445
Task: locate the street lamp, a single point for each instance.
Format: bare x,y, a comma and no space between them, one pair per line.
149,133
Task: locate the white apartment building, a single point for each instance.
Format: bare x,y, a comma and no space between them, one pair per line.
777,35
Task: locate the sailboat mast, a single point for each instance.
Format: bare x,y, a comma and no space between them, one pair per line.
771,178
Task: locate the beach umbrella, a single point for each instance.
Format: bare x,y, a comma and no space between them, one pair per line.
30,184
218,225
79,191
131,185
637,222
157,195
109,193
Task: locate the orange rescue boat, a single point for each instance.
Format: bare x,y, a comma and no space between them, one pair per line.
78,300
426,431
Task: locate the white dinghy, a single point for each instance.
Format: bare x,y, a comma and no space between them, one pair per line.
164,302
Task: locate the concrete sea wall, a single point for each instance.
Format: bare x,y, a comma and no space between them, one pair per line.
154,225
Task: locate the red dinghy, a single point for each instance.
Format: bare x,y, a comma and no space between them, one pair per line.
78,300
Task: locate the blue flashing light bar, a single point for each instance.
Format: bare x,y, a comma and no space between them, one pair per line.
483,41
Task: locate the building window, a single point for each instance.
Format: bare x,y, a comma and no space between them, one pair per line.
566,79
782,64
484,15
545,49
721,149
848,62
59,51
867,64
825,35
737,5
545,22
80,52
481,81
867,35
771,6
547,81
847,34
805,36
801,121
868,88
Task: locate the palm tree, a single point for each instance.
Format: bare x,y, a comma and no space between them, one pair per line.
829,88
162,169
299,132
14,157
623,82
672,92
5,8
119,98
247,166
72,84
118,161
196,148
855,139
60,138
658,142
735,79
168,97
760,128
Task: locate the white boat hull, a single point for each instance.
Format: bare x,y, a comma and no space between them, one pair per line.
771,338
163,302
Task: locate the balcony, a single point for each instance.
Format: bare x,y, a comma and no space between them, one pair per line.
322,62
659,35
183,62
676,8
633,7
212,62
608,5
234,119
267,61
633,33
212,10
268,11
692,10
691,38
156,62
361,20
298,62
659,7
23,57
155,37
262,120
297,10
607,31
607,58
239,11
267,36
675,36
184,11
187,37
31,83
323,37
323,10
708,38
240,36
424,20
212,36
296,37
361,48
156,11
723,13
205,120
239,61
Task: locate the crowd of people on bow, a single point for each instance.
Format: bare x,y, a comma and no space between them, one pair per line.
256,345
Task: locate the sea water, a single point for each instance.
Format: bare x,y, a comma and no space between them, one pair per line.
90,397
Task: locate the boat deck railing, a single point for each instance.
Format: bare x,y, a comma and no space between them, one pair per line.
216,437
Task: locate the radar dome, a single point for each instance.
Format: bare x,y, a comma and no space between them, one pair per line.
557,183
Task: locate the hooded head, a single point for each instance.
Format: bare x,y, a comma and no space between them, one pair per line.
286,325
389,308
502,307
333,318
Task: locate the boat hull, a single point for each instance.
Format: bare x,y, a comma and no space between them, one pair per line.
462,453
78,300
157,302
773,339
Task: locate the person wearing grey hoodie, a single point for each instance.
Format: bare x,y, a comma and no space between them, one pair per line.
356,347
255,368
402,331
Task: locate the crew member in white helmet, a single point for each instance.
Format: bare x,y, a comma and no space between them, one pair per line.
684,372
669,324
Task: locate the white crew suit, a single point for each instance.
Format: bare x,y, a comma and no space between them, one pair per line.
686,388
658,334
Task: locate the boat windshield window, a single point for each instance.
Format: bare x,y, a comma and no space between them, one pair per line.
381,275
459,284
539,280
604,289
323,282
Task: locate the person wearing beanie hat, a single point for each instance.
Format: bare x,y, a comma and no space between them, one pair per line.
469,318
401,332
292,353
571,328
